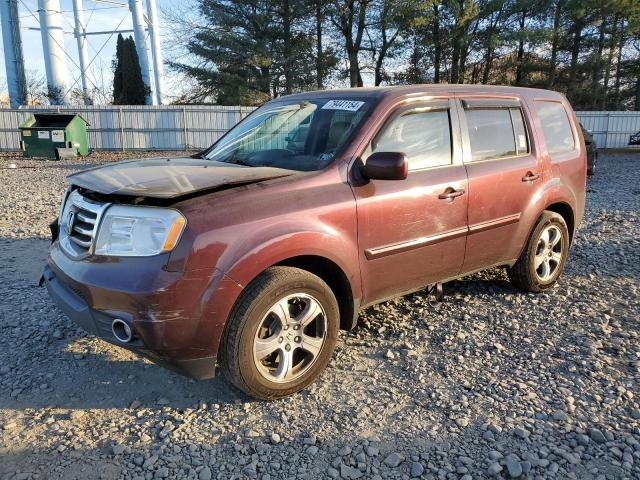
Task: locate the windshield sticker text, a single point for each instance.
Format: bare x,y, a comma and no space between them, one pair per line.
349,105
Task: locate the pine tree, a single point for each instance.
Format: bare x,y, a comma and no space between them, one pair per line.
136,89
253,50
128,86
117,72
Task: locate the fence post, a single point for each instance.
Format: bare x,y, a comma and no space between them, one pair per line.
121,128
606,138
184,126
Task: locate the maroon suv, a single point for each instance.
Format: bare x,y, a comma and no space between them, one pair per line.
253,254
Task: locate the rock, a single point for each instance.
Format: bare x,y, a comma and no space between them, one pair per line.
312,450
393,460
275,438
488,436
372,451
350,472
495,455
462,422
582,439
9,426
389,355
162,472
416,469
346,450
310,440
494,469
560,416
150,461
204,474
333,473
512,463
597,436
76,414
118,449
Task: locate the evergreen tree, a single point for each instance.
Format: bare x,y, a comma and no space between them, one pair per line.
117,71
249,51
253,50
128,86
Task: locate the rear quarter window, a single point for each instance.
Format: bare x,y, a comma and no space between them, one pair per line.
556,127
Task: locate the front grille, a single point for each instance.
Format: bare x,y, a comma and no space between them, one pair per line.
79,224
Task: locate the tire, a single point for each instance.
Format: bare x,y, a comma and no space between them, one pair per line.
258,324
529,273
591,170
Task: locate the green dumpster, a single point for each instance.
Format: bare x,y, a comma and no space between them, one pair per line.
54,135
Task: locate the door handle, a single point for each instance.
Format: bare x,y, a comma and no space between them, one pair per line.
530,177
450,194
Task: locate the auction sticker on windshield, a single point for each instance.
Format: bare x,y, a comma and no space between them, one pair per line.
350,105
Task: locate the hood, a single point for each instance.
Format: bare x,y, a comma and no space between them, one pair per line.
170,177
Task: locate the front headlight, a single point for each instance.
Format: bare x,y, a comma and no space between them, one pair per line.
135,231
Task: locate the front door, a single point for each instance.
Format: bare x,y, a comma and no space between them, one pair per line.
412,232
505,178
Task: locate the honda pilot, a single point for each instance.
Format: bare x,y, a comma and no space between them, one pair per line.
250,256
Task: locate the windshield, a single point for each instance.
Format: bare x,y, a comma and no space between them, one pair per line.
301,135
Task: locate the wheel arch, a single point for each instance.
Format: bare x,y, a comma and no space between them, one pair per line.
565,211
335,277
332,258
561,208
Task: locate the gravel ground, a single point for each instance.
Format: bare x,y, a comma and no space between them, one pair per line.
490,383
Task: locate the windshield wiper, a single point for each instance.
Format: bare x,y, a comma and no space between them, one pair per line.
234,159
237,161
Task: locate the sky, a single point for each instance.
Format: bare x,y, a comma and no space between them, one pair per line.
98,17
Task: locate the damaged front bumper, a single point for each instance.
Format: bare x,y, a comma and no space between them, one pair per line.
172,315
100,324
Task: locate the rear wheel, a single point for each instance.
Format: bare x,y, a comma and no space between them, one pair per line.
544,256
591,169
281,334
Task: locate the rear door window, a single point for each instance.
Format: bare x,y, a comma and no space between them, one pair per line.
490,133
555,126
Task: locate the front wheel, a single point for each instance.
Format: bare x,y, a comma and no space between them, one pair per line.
544,256
281,334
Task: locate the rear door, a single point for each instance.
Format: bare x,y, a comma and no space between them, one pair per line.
505,179
410,232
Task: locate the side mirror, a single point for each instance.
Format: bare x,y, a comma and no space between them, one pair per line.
386,166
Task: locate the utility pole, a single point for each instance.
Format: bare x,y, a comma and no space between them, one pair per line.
137,16
53,47
14,61
154,35
79,33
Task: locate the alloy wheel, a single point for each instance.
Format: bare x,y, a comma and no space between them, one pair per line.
290,338
549,253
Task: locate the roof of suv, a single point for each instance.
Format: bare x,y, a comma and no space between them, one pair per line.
425,89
